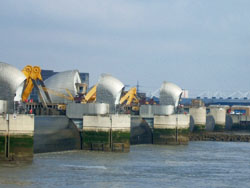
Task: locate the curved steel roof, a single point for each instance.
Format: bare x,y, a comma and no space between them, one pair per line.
10,79
60,82
109,90
170,94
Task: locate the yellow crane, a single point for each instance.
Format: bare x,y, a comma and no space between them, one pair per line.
130,97
90,96
33,74
132,100
56,93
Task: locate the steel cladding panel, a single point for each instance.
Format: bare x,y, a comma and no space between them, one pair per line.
109,90
3,106
170,94
147,111
62,81
10,79
77,110
163,109
151,110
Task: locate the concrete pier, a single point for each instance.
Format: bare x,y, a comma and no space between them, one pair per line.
171,129
197,119
3,137
96,133
120,132
240,122
16,137
106,133
219,115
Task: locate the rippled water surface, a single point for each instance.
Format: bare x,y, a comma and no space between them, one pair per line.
200,164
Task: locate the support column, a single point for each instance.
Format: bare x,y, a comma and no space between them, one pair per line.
120,132
171,129
21,137
96,133
198,119
219,115
106,133
164,130
183,127
16,137
3,134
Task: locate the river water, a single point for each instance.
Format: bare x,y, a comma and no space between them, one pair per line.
199,164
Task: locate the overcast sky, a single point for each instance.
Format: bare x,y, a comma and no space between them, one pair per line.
197,44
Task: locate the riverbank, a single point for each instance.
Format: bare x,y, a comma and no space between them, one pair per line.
227,136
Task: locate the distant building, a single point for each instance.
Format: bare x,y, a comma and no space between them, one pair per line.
184,93
48,73
215,101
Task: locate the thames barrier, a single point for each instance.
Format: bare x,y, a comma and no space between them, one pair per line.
63,113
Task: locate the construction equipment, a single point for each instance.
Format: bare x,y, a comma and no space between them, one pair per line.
32,75
132,100
129,97
90,96
56,93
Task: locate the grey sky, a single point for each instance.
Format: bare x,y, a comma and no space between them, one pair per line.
197,44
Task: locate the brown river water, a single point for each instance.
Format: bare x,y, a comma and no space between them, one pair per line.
199,164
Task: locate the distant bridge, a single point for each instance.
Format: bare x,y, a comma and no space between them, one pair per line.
225,95
211,94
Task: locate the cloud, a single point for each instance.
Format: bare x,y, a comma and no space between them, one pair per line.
108,13
149,41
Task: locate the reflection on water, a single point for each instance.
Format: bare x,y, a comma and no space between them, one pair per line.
200,164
